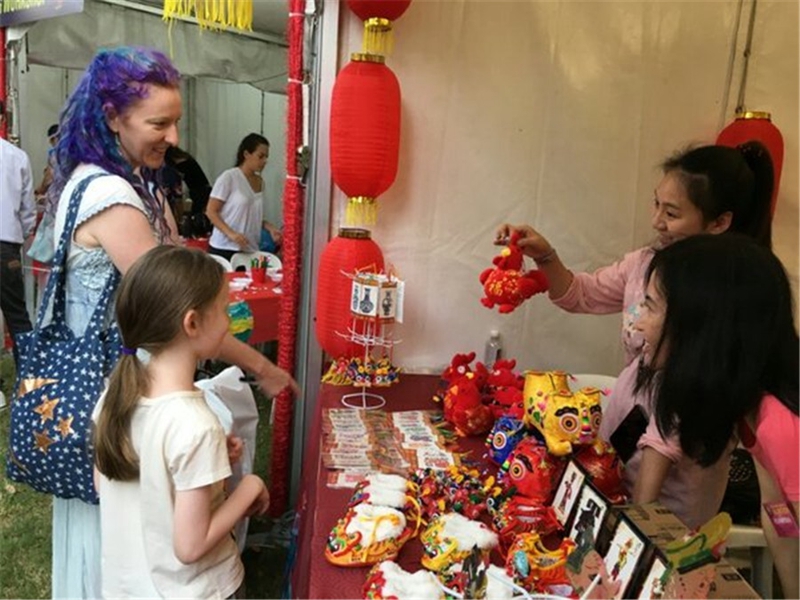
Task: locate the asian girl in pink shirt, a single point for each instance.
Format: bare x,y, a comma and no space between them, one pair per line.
720,361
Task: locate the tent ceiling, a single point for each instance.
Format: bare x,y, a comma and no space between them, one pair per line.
71,42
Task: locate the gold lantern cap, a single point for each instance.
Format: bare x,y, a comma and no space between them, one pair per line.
354,233
366,57
754,114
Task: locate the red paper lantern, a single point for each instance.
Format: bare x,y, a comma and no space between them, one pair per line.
365,133
758,126
352,250
378,16
384,9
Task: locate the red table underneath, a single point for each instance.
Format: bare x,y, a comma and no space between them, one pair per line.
319,506
264,301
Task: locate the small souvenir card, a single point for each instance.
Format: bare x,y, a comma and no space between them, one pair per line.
347,479
377,296
624,555
655,582
589,515
568,490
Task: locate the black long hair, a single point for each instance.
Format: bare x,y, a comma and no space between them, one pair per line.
249,143
739,180
728,335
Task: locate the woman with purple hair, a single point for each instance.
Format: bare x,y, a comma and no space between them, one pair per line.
119,122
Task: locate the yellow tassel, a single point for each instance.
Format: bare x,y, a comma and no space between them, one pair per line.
378,38
212,14
361,210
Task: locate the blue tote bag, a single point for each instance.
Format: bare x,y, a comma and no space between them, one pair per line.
60,377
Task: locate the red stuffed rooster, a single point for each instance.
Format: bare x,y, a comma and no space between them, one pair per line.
458,367
506,285
506,389
464,407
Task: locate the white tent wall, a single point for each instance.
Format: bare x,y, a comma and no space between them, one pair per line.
223,114
556,114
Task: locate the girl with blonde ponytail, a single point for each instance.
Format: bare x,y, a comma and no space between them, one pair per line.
160,453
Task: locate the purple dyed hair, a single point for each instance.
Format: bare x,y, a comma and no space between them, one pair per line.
115,80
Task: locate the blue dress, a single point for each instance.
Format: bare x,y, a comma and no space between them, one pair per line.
76,524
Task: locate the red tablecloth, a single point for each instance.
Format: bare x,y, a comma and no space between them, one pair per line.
264,303
319,506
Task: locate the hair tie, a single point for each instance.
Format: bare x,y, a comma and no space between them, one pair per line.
128,351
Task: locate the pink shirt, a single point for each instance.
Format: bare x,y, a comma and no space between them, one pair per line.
691,492
776,444
612,289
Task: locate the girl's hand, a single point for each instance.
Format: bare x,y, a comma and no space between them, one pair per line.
530,241
235,448
261,503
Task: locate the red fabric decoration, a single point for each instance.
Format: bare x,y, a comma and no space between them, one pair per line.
293,208
534,471
350,251
604,467
507,285
365,133
753,125
464,407
385,9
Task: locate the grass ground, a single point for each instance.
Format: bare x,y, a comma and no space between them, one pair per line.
25,524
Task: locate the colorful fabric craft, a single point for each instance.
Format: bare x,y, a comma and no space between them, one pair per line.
450,538
388,580
507,285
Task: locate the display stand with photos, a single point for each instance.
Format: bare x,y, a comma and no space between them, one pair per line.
610,543
376,305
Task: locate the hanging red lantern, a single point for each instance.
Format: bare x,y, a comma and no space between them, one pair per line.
378,16
365,133
757,125
351,251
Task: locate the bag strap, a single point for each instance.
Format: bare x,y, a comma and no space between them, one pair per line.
57,279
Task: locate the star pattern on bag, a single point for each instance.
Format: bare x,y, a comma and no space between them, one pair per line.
64,427
31,384
46,408
60,379
43,441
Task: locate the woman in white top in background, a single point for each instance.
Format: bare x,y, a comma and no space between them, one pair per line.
236,204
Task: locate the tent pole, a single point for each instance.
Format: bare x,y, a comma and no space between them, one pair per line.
3,85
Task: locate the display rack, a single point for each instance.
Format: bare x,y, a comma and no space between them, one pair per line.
375,334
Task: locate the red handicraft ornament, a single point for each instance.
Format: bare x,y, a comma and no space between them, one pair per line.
533,471
507,285
604,468
536,568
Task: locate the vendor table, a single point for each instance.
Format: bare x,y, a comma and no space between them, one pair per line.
264,301
319,507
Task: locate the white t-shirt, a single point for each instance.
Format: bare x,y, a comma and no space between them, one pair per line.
243,210
181,446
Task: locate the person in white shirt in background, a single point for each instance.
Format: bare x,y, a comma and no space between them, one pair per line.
17,220
236,204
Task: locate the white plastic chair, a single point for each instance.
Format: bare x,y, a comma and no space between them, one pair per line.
243,259
226,264
747,547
